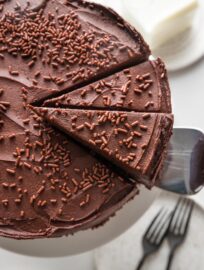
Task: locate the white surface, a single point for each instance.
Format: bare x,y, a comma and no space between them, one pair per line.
11,261
159,20
187,47
125,252
179,52
199,199
188,96
89,239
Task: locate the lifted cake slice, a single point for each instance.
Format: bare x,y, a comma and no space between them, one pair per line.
143,87
133,142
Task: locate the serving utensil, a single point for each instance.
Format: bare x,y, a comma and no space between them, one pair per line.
183,170
155,234
170,225
179,226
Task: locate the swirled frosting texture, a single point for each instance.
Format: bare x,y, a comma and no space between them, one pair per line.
50,185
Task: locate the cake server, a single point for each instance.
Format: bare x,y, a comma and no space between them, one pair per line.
183,170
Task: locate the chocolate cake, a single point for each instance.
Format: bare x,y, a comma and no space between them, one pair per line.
65,44
68,70
141,88
130,140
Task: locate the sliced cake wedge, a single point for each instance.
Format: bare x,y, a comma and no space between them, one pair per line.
133,142
141,88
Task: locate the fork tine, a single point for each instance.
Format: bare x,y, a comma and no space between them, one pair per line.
180,216
161,232
186,219
183,213
178,230
175,214
153,222
156,233
156,224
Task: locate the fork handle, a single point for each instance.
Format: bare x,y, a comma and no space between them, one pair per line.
170,259
141,262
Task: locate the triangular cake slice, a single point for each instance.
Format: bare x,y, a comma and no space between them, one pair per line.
143,87
63,44
133,142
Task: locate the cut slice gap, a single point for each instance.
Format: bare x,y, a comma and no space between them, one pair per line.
134,142
81,52
38,98
140,88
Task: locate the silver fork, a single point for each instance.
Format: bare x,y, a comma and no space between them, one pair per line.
155,234
179,226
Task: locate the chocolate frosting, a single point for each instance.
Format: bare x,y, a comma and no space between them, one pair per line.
49,184
130,140
63,45
140,88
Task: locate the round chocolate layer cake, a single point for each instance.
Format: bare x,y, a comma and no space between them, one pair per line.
85,116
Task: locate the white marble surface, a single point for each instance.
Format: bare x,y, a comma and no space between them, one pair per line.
125,252
11,261
188,95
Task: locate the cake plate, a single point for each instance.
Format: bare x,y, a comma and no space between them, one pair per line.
181,51
85,240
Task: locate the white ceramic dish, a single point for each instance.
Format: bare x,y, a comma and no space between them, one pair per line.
85,240
187,48
183,50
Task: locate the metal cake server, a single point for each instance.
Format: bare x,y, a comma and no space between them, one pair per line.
183,170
